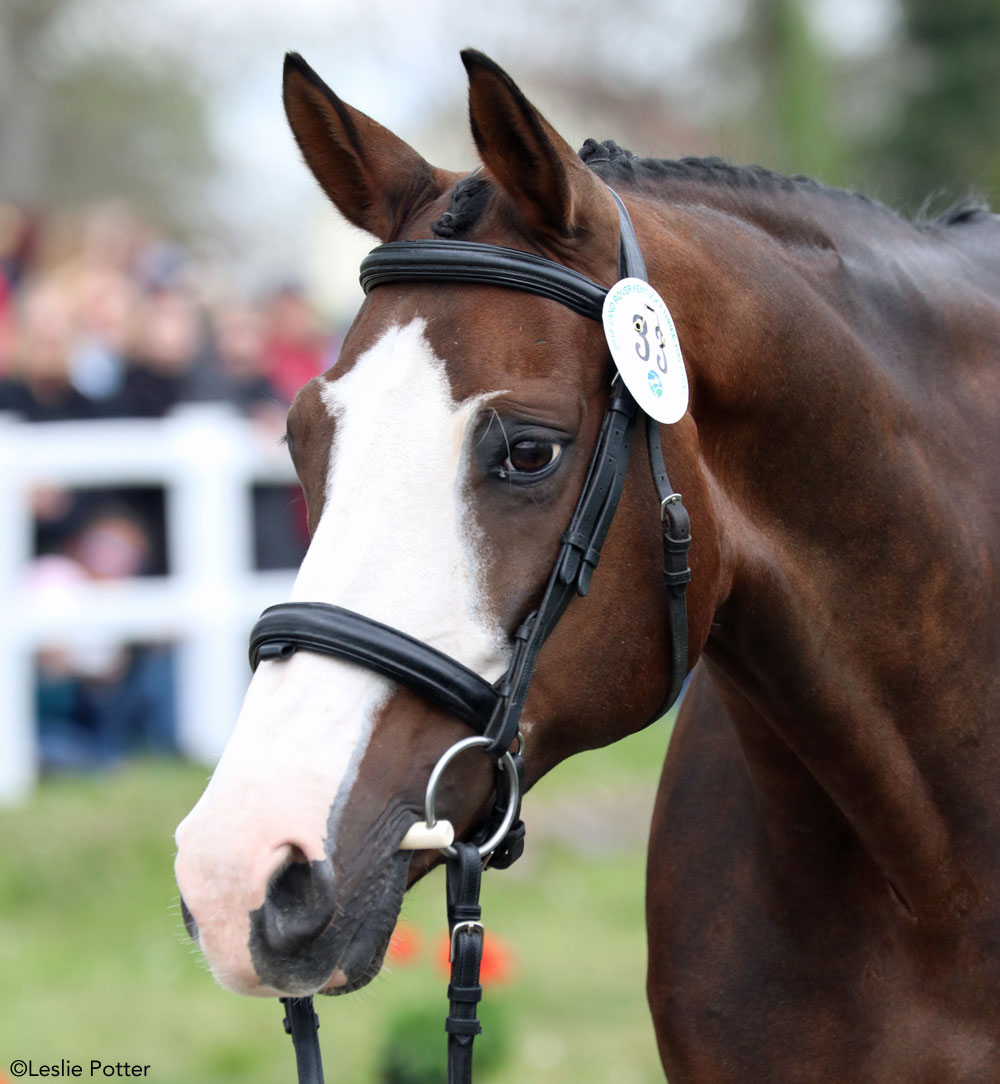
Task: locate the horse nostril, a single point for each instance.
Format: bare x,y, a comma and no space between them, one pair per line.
189,923
300,902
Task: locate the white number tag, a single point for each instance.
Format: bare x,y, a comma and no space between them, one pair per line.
643,342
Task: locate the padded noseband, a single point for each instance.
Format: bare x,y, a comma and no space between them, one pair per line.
332,630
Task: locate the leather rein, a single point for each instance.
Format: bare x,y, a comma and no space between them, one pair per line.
493,710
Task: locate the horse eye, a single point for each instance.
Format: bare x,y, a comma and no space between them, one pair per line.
531,456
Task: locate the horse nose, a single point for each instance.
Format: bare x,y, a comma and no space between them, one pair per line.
299,904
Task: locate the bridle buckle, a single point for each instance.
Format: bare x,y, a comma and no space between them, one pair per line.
674,498
468,926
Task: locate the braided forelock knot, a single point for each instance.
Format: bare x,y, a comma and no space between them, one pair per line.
468,199
445,225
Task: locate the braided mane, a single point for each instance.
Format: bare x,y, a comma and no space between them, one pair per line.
617,166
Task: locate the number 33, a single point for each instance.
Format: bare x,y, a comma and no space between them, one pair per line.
642,347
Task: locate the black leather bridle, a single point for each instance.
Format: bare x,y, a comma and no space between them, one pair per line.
493,710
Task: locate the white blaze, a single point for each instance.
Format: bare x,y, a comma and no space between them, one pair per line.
396,543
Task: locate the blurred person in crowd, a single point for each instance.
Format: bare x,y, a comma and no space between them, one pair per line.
107,307
39,388
168,350
296,347
98,701
168,345
237,372
104,273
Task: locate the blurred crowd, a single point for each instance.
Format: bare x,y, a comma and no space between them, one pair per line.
103,317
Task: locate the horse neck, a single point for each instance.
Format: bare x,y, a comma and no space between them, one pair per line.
846,647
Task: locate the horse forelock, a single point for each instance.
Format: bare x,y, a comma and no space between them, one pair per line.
467,202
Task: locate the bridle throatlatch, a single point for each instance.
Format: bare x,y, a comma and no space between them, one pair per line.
492,710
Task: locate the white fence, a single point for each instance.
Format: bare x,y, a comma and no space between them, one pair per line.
207,460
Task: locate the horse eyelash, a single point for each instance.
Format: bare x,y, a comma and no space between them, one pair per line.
501,473
487,429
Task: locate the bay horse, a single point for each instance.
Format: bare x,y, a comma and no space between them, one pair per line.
823,896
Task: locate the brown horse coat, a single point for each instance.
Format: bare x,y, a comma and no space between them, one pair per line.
824,865
824,890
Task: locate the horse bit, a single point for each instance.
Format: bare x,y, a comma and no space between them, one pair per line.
493,710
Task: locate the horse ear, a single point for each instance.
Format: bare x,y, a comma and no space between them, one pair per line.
374,179
555,193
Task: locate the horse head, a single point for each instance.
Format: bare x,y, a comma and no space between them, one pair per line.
441,458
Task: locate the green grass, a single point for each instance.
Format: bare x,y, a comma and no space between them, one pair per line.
94,961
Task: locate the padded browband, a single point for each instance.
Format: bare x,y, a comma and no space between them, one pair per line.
487,265
331,630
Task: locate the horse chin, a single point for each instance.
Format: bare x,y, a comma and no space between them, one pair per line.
351,951
366,952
